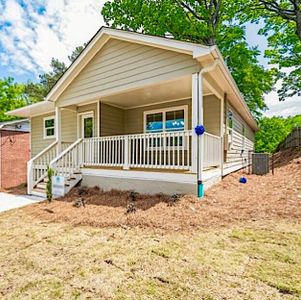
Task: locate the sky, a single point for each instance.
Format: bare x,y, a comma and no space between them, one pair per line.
34,31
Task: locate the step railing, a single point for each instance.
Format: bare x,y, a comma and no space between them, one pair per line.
166,150
68,161
37,166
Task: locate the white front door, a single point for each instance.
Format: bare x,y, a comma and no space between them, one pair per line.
87,124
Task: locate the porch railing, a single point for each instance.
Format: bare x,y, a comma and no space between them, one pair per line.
168,150
212,150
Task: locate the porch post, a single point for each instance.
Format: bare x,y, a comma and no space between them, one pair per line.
126,153
58,130
194,122
200,122
222,134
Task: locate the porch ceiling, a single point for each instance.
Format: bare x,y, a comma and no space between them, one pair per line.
161,92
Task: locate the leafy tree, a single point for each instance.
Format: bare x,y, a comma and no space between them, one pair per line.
36,92
282,27
208,22
273,131
11,97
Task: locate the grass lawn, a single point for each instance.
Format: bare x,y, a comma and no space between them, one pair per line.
239,242
252,260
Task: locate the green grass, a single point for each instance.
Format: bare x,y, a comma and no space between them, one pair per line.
57,261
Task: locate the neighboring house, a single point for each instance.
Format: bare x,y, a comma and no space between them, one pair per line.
14,153
123,116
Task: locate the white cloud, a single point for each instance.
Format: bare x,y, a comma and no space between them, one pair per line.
290,107
28,39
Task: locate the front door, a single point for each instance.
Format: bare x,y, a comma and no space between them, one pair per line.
87,124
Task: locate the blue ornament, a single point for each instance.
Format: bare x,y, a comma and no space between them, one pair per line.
199,129
243,180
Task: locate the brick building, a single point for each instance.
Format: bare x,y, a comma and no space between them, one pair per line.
14,153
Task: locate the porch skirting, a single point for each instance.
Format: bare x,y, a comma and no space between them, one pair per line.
146,182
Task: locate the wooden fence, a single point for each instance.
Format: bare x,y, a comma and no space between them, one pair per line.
293,140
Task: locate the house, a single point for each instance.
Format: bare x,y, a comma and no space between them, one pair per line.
124,115
14,153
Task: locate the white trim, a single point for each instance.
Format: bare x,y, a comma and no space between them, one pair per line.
98,118
44,128
87,103
86,115
163,111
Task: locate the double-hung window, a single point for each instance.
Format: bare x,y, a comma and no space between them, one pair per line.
171,119
49,127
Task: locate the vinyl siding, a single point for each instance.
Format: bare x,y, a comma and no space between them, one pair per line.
235,156
112,120
69,126
120,65
38,143
212,108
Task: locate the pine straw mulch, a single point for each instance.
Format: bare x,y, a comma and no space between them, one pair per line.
268,197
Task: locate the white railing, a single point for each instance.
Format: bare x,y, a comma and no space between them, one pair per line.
37,166
212,150
168,150
68,161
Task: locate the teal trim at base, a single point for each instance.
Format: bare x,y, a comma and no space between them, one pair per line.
200,190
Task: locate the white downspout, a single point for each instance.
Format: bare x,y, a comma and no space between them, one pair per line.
200,121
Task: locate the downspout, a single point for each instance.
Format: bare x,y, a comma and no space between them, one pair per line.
200,118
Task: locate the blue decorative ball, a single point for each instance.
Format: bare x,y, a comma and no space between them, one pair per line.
199,129
243,180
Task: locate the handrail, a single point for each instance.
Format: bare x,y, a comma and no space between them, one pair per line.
34,175
43,152
68,161
65,152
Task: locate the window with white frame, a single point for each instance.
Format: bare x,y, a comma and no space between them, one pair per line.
168,119
49,127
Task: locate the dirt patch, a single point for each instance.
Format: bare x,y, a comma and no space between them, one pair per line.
268,197
17,190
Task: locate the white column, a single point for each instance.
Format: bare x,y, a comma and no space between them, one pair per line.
200,122
222,132
194,122
58,129
126,153
98,119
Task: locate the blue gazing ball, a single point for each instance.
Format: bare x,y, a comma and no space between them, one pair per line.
243,180
199,129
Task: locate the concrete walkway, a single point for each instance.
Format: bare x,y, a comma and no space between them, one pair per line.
10,201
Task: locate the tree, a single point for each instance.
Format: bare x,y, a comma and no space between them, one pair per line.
282,27
11,97
288,10
273,131
36,92
207,22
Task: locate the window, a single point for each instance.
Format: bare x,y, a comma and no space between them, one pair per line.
49,128
170,119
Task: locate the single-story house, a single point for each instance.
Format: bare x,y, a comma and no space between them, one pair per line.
124,114
14,152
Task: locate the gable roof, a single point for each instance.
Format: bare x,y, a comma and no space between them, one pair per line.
199,52
103,35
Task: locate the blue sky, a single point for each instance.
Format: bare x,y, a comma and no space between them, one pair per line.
34,31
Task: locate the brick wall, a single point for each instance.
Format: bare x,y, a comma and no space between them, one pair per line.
14,154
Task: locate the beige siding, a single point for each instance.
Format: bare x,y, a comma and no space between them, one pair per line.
134,117
121,64
212,108
235,155
112,120
69,126
38,143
